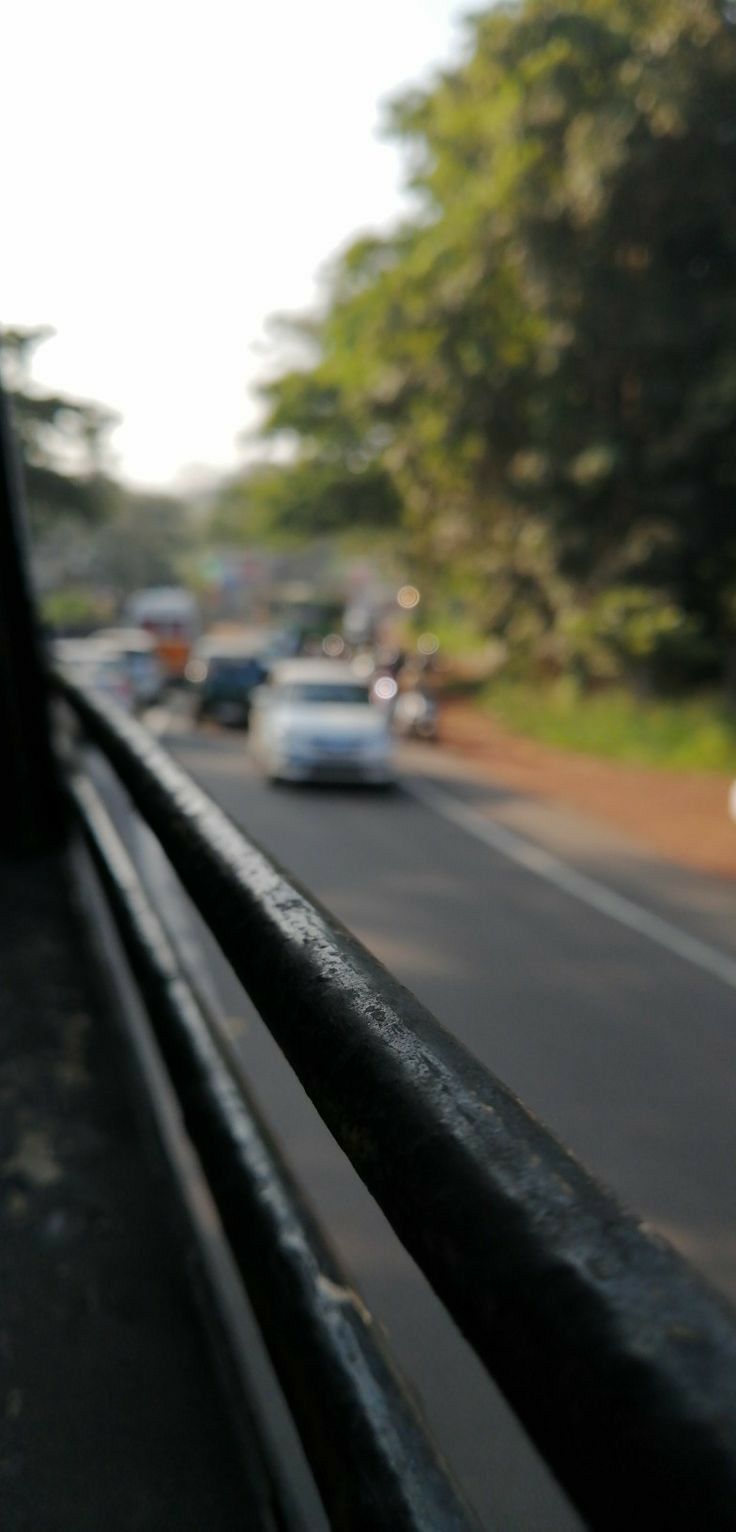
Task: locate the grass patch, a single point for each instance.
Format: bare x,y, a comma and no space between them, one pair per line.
695,734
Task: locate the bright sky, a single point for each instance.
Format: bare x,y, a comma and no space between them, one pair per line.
174,173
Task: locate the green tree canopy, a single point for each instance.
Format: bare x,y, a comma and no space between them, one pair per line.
282,503
541,361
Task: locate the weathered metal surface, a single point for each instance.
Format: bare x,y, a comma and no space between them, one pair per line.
112,1418
617,1358
370,1453
31,817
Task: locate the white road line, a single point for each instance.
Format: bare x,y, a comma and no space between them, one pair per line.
578,885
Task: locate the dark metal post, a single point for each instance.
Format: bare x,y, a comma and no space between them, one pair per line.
31,815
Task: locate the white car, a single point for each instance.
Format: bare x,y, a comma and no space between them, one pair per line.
314,721
137,649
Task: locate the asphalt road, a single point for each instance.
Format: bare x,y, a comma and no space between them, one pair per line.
597,981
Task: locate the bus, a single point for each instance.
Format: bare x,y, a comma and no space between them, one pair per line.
170,614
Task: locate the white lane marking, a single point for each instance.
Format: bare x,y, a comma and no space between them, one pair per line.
578,885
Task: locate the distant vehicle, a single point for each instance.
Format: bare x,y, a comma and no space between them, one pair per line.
92,665
170,614
226,667
138,650
310,618
314,721
415,715
268,641
384,689
385,675
224,690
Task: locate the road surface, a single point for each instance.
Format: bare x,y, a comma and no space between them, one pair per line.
596,981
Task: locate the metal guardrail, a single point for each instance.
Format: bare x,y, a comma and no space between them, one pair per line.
371,1455
617,1358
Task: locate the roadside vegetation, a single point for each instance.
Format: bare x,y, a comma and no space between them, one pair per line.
690,734
530,383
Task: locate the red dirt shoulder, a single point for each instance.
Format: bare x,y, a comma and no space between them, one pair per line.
681,815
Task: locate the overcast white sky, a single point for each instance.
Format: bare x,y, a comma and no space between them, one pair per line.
174,173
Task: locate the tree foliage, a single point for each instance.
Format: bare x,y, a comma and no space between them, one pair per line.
142,541
284,503
61,440
94,539
536,371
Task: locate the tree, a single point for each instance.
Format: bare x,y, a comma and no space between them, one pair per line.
61,440
542,360
142,541
331,483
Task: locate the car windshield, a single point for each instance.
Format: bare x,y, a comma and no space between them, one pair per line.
324,691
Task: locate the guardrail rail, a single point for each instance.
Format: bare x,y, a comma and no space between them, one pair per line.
616,1357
